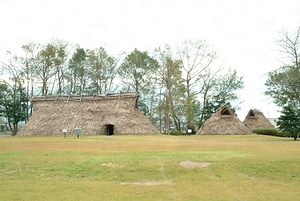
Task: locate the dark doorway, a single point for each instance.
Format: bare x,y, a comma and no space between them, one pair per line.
109,129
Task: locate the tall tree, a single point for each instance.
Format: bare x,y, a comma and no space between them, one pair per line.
102,71
136,72
196,58
289,121
13,99
45,70
283,84
30,63
170,76
219,90
136,69
226,87
77,75
60,64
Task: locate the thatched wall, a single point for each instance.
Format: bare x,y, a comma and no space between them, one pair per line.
256,119
90,113
224,121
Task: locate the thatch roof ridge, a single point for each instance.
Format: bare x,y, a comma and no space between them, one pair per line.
80,98
224,110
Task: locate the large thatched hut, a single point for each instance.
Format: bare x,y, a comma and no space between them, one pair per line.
255,119
224,121
98,114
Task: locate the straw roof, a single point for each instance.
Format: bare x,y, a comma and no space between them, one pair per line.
224,121
255,119
96,114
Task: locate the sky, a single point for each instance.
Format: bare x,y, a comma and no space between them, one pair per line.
242,32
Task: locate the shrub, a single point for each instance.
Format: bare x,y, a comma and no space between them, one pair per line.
268,131
176,132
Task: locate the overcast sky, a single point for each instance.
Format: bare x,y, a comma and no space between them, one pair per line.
243,32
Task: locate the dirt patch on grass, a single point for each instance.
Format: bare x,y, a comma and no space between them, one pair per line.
148,183
111,165
191,164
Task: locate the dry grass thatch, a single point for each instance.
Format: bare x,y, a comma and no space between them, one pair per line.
255,119
109,114
224,121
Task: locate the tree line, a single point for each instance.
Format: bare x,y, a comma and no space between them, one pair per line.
180,88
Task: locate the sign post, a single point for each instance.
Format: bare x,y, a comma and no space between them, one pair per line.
77,131
65,132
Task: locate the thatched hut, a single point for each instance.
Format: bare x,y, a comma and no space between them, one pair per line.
255,119
225,122
98,114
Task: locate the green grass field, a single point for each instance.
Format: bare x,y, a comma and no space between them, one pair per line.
144,167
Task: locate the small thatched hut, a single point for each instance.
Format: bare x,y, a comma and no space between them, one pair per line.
98,114
255,119
224,121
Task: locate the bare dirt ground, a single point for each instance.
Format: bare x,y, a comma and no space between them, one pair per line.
148,183
190,164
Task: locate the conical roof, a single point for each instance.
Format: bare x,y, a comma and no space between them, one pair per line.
255,119
224,121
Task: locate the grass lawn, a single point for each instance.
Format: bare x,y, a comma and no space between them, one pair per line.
144,167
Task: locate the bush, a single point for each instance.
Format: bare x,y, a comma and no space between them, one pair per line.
176,132
268,131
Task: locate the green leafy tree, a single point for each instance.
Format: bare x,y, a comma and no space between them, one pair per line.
136,73
283,84
172,89
289,121
220,90
45,69
13,105
60,64
137,69
225,88
102,71
77,75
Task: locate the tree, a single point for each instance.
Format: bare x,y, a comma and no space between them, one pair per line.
208,81
289,121
196,58
225,88
136,72
60,64
172,87
29,63
283,84
77,75
136,69
13,105
102,71
45,70
218,90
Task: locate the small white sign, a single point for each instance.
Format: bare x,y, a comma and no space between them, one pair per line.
65,130
189,130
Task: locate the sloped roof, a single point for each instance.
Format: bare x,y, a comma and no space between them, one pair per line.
90,113
224,121
255,119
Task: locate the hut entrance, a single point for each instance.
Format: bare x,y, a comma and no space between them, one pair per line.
109,129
